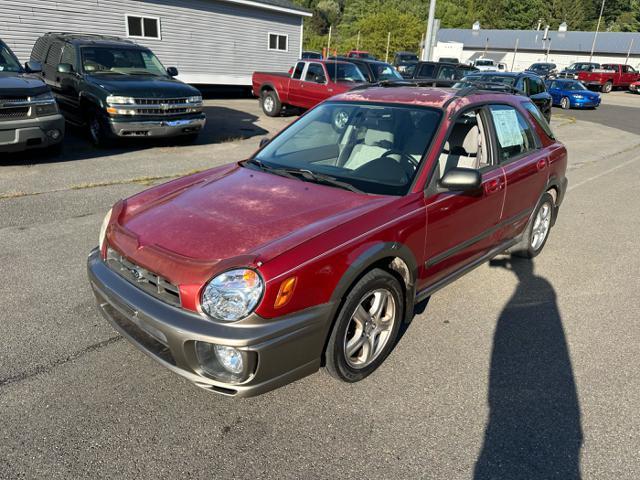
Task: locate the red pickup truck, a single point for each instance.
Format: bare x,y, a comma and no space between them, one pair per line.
609,76
306,85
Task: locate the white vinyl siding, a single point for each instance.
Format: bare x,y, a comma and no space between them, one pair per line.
209,41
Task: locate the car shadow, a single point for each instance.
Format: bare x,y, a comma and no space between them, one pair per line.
223,125
534,428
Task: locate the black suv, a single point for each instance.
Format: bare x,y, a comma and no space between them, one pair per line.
373,70
117,88
29,116
524,83
441,74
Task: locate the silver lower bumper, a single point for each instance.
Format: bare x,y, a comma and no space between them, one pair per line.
18,135
158,128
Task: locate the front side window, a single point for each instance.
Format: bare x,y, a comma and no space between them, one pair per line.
513,133
143,27
8,62
384,71
278,42
373,148
315,73
344,72
128,61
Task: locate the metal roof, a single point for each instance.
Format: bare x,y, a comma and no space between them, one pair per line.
578,42
282,5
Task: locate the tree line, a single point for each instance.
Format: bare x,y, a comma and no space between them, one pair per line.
366,23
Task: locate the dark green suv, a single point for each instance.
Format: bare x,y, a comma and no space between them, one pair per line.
117,88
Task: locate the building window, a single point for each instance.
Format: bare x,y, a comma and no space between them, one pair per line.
143,27
278,42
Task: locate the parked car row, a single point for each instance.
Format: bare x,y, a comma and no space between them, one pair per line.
112,87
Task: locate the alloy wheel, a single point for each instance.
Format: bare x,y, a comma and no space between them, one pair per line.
370,328
541,226
268,103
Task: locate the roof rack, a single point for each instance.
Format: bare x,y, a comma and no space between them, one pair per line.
89,36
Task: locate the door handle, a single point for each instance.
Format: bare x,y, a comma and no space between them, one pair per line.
493,186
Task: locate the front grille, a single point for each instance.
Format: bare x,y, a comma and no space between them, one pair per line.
163,106
8,100
156,111
160,101
14,112
142,278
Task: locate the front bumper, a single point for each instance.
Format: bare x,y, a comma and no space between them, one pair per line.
157,128
584,102
287,348
19,135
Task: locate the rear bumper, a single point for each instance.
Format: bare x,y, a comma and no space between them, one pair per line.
19,135
157,128
286,348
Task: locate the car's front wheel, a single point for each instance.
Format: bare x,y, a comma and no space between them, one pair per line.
565,103
366,328
537,232
98,130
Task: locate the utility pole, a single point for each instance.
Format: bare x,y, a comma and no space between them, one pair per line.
595,35
515,51
626,62
386,56
428,41
358,41
329,42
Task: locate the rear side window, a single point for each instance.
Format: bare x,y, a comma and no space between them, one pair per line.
515,136
53,56
69,56
537,114
40,49
297,73
426,71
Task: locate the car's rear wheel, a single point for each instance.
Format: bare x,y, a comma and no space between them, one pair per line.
565,103
607,87
366,328
271,105
537,232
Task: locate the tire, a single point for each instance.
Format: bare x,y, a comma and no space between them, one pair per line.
365,329
607,87
98,130
530,245
565,103
270,102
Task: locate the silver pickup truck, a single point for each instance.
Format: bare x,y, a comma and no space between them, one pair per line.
29,115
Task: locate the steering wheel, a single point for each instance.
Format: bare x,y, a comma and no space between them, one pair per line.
409,163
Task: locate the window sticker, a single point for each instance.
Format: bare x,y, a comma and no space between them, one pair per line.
507,127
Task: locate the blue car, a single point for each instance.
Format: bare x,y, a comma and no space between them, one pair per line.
572,94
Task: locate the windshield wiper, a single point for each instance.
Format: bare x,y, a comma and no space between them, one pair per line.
283,172
326,179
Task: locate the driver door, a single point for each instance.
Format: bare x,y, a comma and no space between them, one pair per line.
313,88
463,226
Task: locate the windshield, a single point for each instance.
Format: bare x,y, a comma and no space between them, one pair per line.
384,71
121,60
344,72
572,86
374,148
8,62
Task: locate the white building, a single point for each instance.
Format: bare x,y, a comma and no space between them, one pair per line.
521,48
209,41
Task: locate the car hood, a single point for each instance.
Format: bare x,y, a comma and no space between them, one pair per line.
17,84
230,216
146,86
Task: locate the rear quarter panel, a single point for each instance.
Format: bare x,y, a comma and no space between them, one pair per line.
277,81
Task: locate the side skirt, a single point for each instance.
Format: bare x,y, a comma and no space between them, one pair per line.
427,292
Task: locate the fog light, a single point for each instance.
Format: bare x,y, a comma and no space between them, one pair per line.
53,134
228,364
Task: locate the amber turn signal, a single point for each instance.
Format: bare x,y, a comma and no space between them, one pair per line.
286,292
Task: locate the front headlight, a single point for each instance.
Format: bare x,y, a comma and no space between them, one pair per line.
195,99
117,100
232,295
46,97
103,229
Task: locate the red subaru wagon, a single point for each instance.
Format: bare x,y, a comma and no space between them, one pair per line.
314,251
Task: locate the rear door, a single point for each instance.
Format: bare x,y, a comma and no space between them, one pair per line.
525,163
50,67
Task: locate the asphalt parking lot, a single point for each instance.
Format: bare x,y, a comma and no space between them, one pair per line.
516,363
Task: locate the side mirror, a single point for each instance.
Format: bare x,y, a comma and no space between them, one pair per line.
172,71
319,79
33,67
461,180
65,68
264,142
